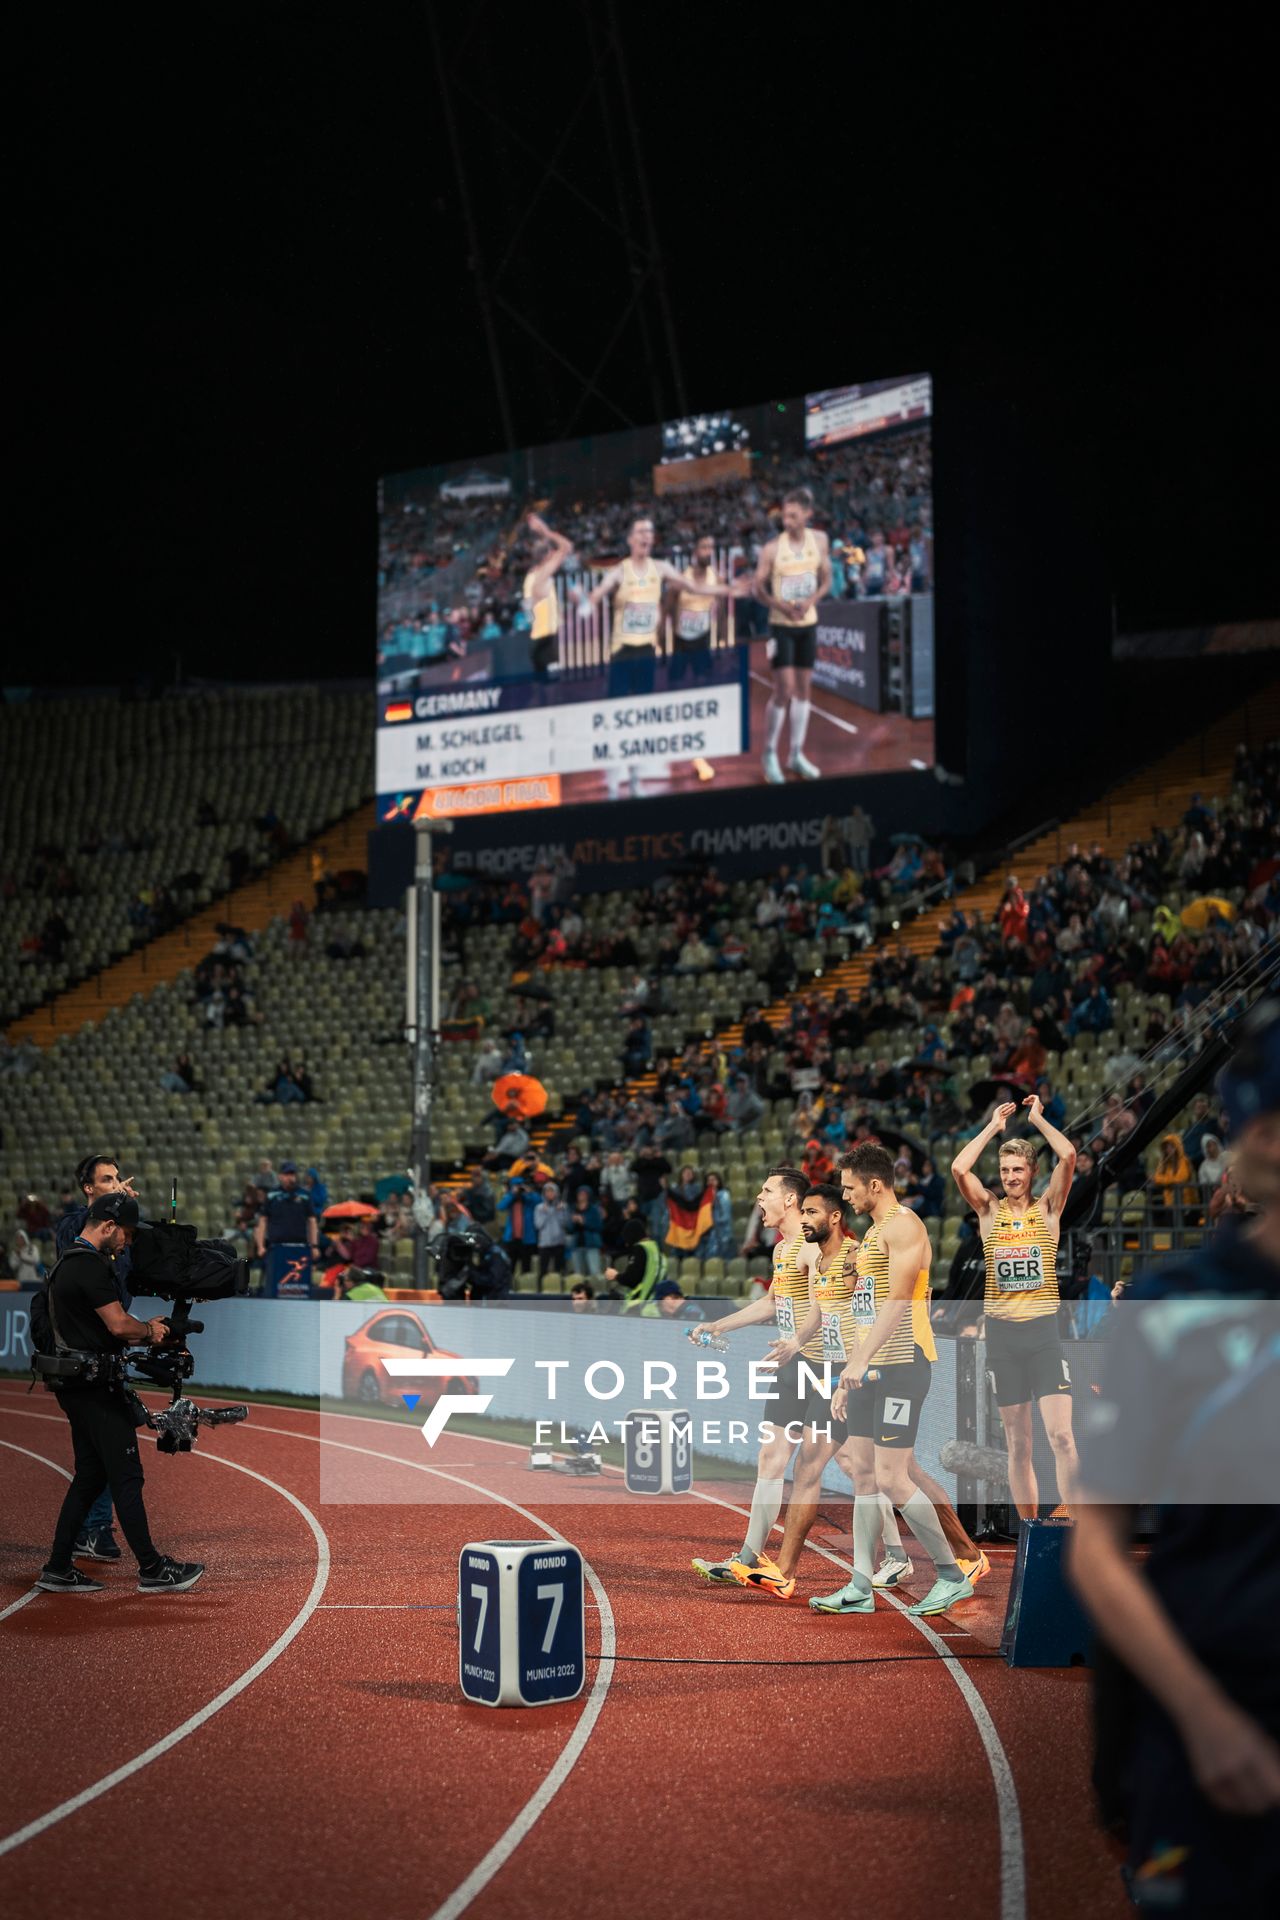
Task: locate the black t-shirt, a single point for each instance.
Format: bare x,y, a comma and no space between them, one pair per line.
288,1214
83,1282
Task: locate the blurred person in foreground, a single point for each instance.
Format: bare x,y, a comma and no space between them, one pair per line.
1187,1686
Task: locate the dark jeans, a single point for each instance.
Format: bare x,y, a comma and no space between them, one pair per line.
106,1455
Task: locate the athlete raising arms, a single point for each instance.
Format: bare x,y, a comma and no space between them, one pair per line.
1020,1241
787,1303
549,556
792,575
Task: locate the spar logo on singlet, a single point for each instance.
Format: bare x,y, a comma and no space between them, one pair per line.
1019,1265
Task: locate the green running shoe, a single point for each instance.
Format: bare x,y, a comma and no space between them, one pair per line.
943,1595
850,1599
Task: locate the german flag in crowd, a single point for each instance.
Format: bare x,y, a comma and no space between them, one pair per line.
688,1224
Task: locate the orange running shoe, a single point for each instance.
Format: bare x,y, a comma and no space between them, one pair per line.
766,1577
975,1570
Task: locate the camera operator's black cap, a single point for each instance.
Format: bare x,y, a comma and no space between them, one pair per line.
121,1208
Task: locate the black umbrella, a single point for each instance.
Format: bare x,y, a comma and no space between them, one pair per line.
531,990
890,1137
984,1094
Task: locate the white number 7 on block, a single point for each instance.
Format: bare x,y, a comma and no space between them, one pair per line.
482,1595
555,1594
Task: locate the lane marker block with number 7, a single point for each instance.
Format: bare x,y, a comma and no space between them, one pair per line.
521,1622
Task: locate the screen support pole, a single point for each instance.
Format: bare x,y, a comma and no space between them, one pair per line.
422,1022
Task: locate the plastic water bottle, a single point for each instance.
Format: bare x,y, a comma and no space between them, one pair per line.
705,1338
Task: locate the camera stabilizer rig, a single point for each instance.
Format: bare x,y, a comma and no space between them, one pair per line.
171,1365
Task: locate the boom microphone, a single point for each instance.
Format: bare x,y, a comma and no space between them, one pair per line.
976,1463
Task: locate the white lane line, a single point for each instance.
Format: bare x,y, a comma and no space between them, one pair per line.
45,1461
533,1809
205,1713
846,726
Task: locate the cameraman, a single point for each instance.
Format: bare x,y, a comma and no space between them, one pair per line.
87,1317
96,1174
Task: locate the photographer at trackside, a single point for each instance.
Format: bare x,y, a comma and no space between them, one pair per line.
87,1317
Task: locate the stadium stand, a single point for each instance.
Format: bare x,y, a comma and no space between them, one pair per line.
124,818
314,1001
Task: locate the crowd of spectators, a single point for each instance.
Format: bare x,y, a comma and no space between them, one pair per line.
1007,988
873,498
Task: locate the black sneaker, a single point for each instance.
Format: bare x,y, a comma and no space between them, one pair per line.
99,1543
72,1581
170,1576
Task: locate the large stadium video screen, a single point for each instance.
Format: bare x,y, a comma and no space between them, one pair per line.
736,599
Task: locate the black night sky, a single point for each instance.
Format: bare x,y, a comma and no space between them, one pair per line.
242,285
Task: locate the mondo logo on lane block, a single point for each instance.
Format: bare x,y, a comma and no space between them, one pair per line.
446,1367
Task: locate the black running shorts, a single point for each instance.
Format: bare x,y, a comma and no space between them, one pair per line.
887,1411
1025,1359
794,646
806,1409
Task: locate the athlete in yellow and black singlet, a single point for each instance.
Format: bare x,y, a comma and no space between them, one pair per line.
539,592
888,1412
792,1308
1020,1301
1020,1232
544,617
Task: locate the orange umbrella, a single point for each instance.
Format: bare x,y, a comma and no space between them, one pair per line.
517,1093
351,1210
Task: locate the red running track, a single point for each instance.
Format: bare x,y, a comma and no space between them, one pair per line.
320,1761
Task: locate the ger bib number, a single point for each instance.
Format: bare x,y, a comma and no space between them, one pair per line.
832,1338
640,617
1019,1267
693,626
798,586
862,1306
785,1314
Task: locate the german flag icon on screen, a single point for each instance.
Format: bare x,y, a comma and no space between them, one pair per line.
402,710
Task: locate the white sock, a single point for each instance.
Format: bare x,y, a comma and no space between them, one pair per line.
774,715
889,1525
919,1514
766,1505
866,1533
799,725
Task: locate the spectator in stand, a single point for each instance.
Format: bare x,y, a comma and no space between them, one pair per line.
181,1077
35,1217
583,1297
28,1267
1228,1207
299,921
617,1182
1202,1124
1052,1104
1013,911
669,1303
586,1234
1117,1121
817,1164
1213,1167
519,1229
930,1193
1093,1012
478,1198
1173,1178
552,1222
1027,1061
744,1106
717,1242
